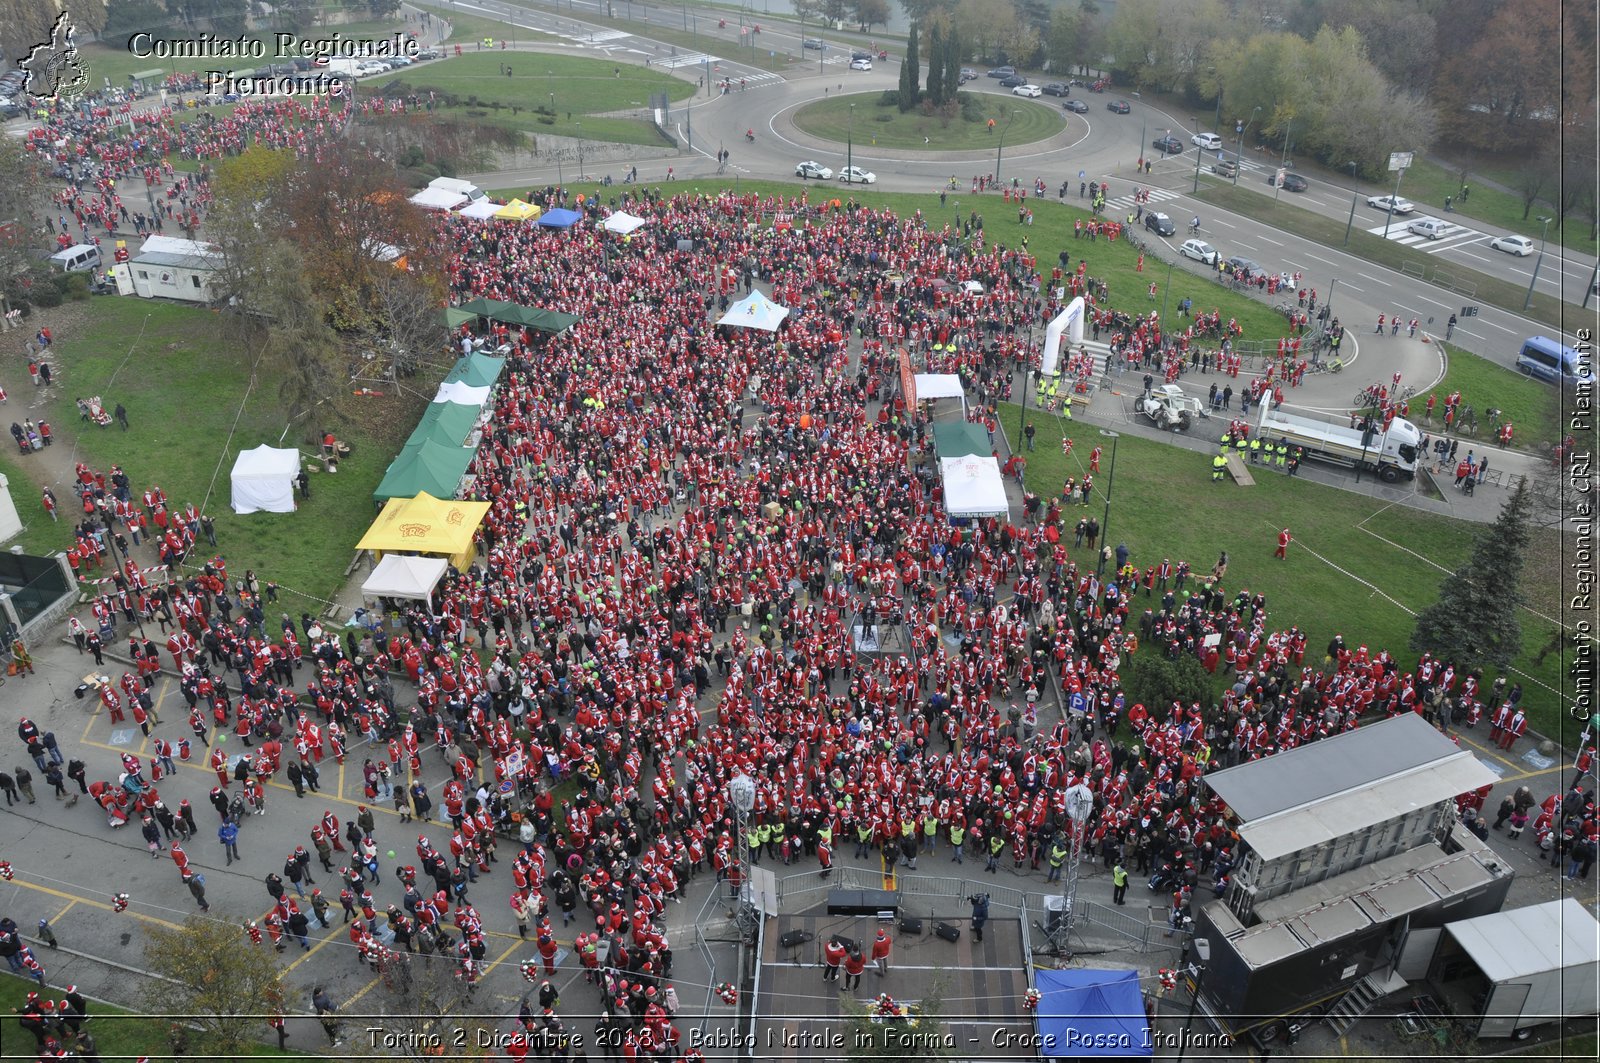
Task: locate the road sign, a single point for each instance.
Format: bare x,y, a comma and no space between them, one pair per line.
1469,311
1400,160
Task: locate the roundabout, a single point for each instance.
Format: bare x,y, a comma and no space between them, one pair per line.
879,122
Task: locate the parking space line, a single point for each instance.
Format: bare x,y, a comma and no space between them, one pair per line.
93,904
513,947
358,994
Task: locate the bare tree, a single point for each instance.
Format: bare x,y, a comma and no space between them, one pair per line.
220,983
423,1006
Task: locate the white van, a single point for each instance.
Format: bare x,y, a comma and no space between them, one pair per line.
458,186
80,258
1432,228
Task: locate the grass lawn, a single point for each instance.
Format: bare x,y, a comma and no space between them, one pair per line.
122,1035
469,29
1374,248
116,63
1165,505
183,386
886,126
474,84
1427,183
1529,404
1050,234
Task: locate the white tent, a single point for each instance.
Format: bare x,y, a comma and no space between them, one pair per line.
622,223
462,394
973,487
405,576
438,199
941,386
480,210
263,479
755,311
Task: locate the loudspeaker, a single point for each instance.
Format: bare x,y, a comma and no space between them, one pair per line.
948,932
850,944
794,939
910,926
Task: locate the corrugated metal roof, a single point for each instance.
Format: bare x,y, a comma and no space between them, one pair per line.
1554,936
1320,770
1296,828
172,261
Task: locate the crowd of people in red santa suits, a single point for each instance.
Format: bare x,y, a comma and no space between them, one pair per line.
687,524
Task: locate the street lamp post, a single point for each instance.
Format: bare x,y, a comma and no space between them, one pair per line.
1537,263
1105,521
1202,950
742,796
1010,114
1239,128
1198,151
850,141
1398,161
1283,163
1166,293
1355,193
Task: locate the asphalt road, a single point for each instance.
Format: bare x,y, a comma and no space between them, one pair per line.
1099,145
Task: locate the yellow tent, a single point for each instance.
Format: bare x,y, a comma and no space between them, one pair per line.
518,210
427,525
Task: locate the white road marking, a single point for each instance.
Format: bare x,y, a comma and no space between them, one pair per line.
1270,241
1324,261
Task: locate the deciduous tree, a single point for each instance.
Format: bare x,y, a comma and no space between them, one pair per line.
212,975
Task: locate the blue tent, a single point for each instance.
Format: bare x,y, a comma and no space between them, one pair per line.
559,218
1092,1015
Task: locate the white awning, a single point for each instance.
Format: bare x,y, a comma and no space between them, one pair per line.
438,199
405,576
462,394
622,223
973,487
939,386
755,311
480,210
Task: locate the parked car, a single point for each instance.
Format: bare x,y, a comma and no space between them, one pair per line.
1292,181
1159,223
1200,251
813,169
968,74
1206,141
1055,88
1401,206
1244,267
1076,106
812,43
861,64
1170,145
1030,91
1002,72
1119,106
1225,167
855,175
1013,81
1521,246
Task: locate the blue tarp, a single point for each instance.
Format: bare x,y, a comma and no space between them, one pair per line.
1091,1015
560,218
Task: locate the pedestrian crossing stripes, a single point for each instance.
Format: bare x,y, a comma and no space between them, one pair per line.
1454,236
673,62
1157,195
608,35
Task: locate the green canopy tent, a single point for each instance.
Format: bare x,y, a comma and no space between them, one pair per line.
549,320
452,317
425,465
957,439
445,423
476,370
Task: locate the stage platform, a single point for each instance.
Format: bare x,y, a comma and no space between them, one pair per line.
982,984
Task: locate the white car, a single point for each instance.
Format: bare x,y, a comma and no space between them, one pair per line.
972,287
855,175
1401,206
1027,90
1200,251
812,168
1513,245
861,64
1206,141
